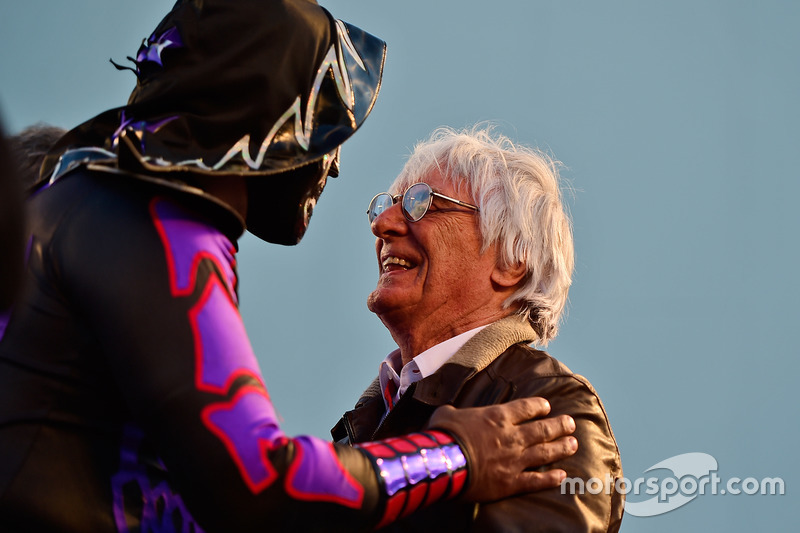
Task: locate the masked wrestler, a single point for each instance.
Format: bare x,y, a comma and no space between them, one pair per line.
130,398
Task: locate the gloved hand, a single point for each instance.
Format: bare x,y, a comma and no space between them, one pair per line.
502,442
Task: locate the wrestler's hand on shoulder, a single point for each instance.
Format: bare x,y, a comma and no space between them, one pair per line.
504,442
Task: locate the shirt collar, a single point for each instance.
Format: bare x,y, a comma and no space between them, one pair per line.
394,380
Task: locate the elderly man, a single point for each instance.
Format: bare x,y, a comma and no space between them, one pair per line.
475,259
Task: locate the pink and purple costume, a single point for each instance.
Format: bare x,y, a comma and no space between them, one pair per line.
130,397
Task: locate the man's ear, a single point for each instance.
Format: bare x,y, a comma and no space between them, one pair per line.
508,275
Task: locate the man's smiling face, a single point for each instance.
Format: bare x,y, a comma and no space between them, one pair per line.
431,272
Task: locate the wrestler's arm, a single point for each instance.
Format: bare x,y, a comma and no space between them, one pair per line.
158,293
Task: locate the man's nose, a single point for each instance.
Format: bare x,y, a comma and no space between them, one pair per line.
390,222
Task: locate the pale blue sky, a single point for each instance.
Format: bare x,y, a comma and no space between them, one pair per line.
677,123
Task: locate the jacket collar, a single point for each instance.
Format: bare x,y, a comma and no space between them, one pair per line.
444,385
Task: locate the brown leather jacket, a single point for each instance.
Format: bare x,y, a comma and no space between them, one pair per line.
495,366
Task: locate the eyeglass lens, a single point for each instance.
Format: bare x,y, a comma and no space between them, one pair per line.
378,205
415,202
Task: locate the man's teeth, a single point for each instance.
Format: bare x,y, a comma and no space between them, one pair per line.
396,261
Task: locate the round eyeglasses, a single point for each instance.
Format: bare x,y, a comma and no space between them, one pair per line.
415,202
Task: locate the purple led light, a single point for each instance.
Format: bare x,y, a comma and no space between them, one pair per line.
393,475
415,468
437,463
455,457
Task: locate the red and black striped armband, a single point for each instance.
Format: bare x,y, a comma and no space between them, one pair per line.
417,470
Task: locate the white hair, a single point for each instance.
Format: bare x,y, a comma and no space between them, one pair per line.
517,191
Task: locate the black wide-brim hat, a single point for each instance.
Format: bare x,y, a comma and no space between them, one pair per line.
267,89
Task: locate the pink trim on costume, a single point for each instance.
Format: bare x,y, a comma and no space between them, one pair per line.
459,480
437,489
402,445
416,496
250,477
423,441
440,436
394,506
245,354
299,494
378,449
197,257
